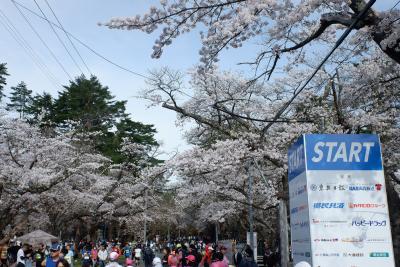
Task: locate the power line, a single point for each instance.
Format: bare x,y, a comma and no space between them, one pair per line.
58,37
18,37
84,44
66,34
15,35
88,47
337,44
398,2
43,42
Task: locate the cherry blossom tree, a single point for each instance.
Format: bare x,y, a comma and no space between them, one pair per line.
230,116
57,183
234,115
284,28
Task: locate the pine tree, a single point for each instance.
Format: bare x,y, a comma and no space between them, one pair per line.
41,109
89,104
92,108
3,74
20,100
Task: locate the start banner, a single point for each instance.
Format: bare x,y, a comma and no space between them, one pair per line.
338,206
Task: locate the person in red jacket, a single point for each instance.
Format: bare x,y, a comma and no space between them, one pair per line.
206,261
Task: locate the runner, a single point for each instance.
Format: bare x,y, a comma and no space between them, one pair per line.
103,255
52,260
21,256
127,251
94,256
69,256
138,255
86,260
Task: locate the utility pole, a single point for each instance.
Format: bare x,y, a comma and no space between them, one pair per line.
284,229
251,230
145,217
216,233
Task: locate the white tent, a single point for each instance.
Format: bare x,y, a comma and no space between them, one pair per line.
37,237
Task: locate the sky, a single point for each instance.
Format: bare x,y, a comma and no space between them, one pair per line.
131,49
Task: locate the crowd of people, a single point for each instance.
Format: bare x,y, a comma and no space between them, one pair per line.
193,253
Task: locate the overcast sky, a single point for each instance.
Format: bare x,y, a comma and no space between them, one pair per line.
131,49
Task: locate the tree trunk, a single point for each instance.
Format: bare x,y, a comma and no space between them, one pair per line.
394,211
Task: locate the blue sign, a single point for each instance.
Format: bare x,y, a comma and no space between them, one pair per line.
343,152
296,158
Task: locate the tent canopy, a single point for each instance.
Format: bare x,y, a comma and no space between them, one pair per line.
37,237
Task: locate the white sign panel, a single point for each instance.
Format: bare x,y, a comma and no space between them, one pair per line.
338,206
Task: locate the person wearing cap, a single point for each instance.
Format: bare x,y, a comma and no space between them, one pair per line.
193,251
52,260
191,261
113,260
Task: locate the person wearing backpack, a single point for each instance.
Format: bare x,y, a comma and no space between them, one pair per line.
148,256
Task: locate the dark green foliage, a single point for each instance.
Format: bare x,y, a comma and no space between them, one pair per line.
89,104
85,106
127,129
3,82
20,99
41,109
93,109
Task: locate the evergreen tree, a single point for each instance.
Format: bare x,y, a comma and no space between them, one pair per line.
92,108
3,74
135,132
41,109
89,104
20,99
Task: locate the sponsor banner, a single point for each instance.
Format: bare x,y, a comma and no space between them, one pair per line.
338,205
299,218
